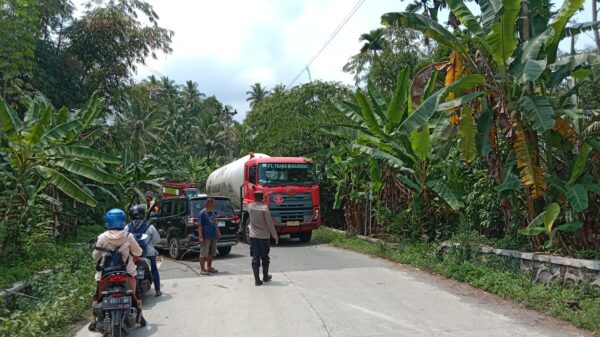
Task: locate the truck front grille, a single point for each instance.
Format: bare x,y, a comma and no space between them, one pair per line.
292,207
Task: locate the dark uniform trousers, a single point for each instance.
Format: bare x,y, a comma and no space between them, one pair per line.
259,250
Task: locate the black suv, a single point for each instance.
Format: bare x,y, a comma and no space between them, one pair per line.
177,223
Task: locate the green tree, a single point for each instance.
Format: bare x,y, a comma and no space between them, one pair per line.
306,107
256,94
110,41
137,128
384,53
526,111
50,151
19,29
397,132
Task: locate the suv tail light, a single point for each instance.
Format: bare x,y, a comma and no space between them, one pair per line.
191,222
235,219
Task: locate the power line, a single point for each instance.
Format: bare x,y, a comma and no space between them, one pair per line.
331,37
154,71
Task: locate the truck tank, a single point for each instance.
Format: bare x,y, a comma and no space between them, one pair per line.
227,180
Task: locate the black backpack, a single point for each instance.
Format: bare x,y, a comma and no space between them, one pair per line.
138,232
112,262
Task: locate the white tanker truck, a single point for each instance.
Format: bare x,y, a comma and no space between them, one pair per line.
289,184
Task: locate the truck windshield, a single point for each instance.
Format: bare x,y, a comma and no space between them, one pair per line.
286,174
222,207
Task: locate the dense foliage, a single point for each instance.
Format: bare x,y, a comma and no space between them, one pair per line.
478,125
505,101
77,135
287,122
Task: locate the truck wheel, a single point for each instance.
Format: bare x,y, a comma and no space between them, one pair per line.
174,249
305,236
224,251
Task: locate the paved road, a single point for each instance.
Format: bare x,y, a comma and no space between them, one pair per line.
319,290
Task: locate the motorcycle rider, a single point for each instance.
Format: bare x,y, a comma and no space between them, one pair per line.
116,238
140,225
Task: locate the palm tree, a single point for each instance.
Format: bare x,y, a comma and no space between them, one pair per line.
278,90
374,42
256,94
138,124
191,95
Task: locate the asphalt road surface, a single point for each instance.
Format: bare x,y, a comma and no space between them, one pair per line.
318,290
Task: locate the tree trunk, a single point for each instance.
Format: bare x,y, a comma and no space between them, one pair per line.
594,19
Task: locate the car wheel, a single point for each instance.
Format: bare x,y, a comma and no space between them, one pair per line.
224,251
174,249
305,236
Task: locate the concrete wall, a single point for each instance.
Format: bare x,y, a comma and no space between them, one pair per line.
549,269
546,269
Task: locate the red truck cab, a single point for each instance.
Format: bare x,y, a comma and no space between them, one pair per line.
291,191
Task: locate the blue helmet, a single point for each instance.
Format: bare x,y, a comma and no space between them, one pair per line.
115,219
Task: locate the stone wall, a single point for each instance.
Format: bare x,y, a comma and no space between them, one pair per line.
549,269
545,269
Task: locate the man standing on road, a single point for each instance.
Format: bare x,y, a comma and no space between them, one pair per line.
261,229
208,234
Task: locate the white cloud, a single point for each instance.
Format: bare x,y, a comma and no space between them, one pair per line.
228,45
266,41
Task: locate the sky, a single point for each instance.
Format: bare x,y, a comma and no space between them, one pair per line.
228,45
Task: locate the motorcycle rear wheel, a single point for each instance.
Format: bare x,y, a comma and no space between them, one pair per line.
116,320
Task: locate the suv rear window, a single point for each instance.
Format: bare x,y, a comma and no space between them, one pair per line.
222,206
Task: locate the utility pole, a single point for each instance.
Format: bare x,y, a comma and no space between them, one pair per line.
228,113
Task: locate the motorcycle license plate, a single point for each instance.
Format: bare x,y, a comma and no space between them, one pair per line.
111,303
140,274
221,223
293,223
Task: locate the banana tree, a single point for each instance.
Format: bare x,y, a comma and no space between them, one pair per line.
137,178
544,224
348,170
54,149
523,73
399,134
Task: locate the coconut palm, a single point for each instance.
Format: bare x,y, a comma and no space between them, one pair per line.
138,124
256,94
374,43
191,95
279,89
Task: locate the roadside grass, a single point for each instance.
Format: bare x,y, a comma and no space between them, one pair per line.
491,273
37,256
61,298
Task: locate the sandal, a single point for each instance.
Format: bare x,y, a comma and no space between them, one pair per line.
213,270
204,273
